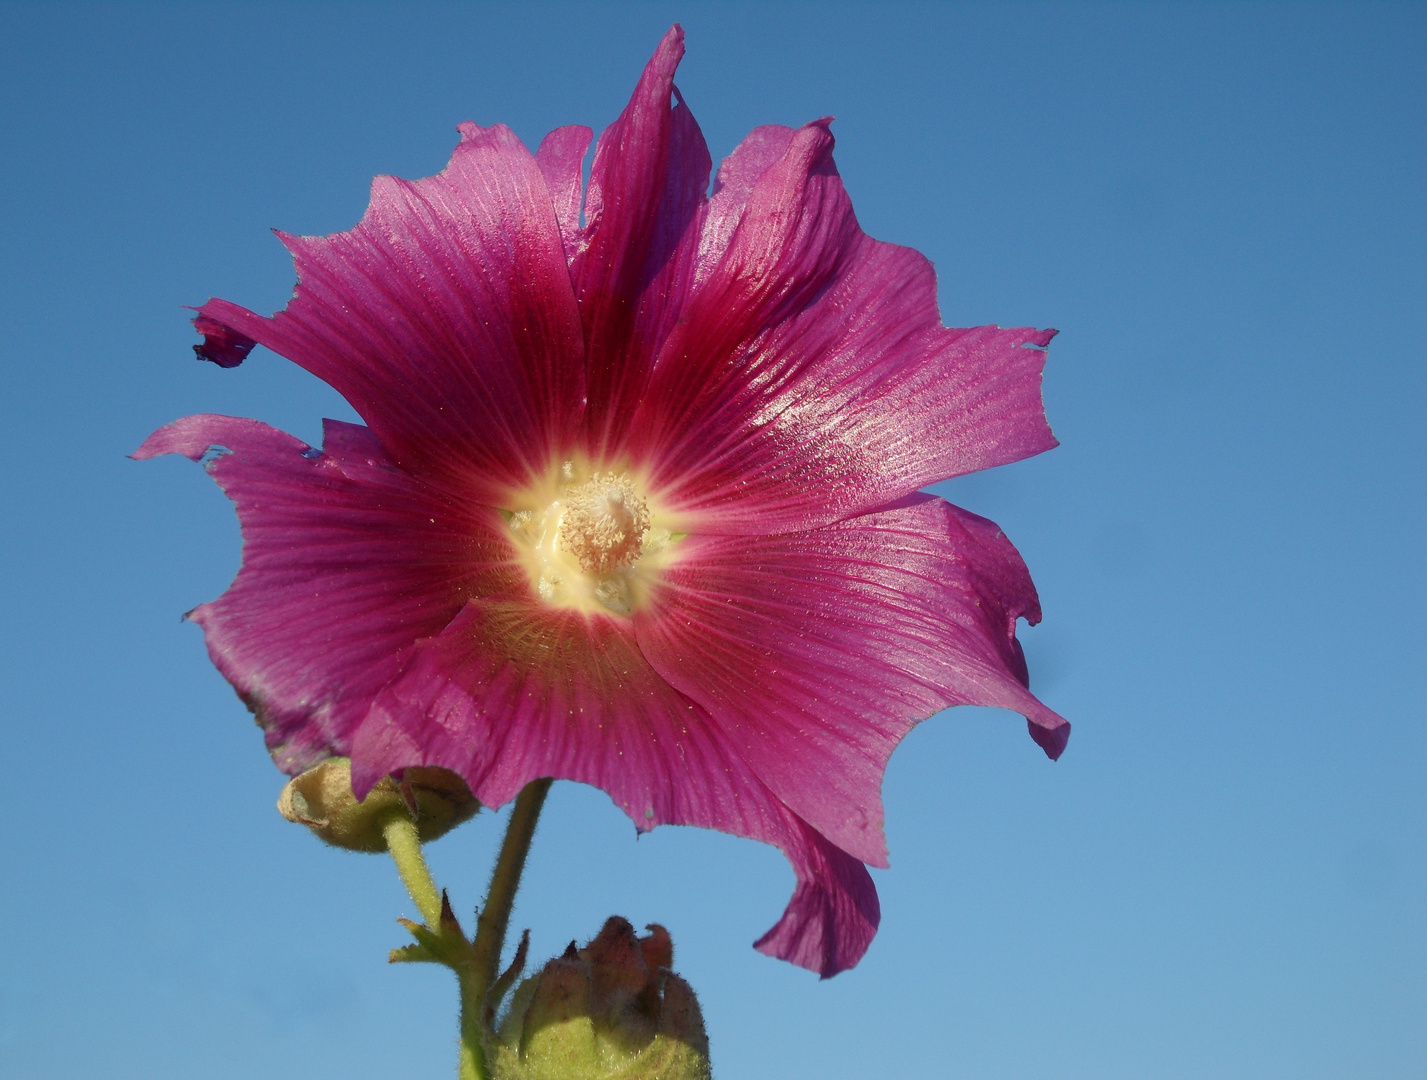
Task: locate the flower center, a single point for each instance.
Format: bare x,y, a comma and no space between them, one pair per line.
590,542
604,523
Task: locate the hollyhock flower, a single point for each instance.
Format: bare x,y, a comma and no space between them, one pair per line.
636,502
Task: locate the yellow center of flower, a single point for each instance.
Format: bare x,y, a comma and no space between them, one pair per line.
604,524
589,540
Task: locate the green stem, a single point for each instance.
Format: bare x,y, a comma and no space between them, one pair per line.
405,847
472,1064
505,880
474,963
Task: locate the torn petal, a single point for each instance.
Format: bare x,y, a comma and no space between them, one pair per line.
222,344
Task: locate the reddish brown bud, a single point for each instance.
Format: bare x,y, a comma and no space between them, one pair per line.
658,947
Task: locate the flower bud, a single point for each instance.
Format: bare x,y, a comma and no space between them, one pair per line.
322,799
610,1011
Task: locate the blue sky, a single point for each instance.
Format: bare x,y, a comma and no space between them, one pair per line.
1219,206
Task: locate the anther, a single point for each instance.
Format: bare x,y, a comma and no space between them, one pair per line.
604,523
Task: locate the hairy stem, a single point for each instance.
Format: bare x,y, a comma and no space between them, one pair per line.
472,1064
405,848
479,975
475,963
505,880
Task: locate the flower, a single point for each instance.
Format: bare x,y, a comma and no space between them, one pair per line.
637,500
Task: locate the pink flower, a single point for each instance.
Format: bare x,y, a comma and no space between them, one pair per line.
637,500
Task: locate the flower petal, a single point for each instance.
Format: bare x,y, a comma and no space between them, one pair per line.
222,345
346,562
510,693
815,652
760,150
834,913
561,159
809,376
446,318
646,194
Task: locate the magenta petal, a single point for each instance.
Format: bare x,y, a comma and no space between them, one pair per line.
509,693
646,195
833,915
561,158
346,562
446,318
627,179
761,148
816,652
810,377
222,345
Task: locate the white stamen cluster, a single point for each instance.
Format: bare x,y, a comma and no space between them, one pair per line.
588,541
604,523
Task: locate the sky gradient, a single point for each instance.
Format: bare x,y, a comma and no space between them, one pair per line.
1221,209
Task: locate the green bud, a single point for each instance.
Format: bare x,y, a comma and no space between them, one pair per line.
610,1011
322,799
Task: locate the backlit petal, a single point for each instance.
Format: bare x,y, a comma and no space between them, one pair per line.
561,158
816,652
446,318
222,345
346,561
809,376
511,692
646,195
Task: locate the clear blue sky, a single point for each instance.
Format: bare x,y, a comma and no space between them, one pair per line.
1222,209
